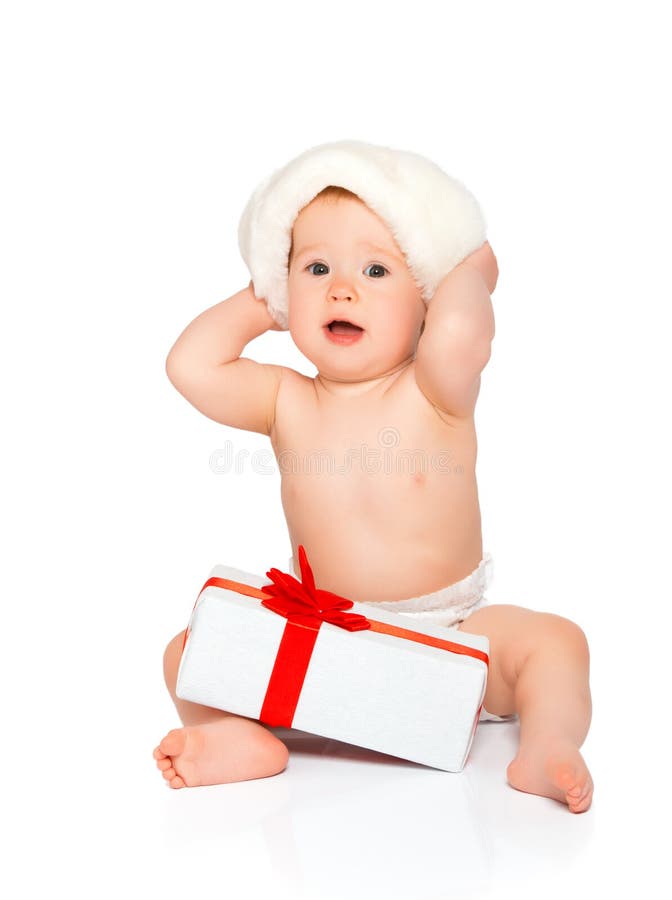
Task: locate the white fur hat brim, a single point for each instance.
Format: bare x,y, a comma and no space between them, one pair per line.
434,219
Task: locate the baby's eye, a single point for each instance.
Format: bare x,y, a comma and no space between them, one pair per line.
376,266
316,264
326,268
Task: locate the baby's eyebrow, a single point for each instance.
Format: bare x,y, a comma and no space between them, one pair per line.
376,247
382,250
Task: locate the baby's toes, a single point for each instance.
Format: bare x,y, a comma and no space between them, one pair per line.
580,800
176,782
169,773
577,784
174,742
164,763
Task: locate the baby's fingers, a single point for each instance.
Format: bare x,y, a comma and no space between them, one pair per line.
485,262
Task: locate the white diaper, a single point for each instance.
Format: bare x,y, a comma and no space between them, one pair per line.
448,606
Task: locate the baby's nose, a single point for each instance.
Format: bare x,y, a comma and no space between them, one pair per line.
342,293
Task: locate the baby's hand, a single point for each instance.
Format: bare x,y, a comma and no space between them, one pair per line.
274,325
484,261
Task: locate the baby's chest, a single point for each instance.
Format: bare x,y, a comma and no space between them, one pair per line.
360,452
366,458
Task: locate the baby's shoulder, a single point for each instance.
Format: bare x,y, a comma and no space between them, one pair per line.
298,396
296,385
295,394
405,394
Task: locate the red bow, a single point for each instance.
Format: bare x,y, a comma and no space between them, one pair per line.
303,603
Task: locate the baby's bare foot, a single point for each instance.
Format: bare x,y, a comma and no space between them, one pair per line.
228,749
552,767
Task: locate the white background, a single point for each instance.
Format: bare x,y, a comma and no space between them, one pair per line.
133,136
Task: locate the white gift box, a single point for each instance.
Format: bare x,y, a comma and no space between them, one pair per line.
411,692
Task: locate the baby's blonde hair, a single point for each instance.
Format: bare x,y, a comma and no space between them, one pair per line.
332,193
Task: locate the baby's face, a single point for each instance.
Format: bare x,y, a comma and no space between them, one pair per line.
345,264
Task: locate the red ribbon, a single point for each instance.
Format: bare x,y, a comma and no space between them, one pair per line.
302,602
305,607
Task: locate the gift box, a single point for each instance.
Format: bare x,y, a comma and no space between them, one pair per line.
287,653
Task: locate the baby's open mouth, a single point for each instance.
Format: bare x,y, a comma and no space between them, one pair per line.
340,326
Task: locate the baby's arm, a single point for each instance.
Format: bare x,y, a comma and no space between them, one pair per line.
459,328
205,365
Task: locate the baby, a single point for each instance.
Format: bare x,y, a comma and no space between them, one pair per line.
398,376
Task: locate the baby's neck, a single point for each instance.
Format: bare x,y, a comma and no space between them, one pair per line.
355,387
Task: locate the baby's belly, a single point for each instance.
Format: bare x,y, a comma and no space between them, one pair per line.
385,537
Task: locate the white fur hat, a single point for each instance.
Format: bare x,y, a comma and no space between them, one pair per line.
434,219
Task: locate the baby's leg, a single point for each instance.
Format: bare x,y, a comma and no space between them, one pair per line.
539,668
214,747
